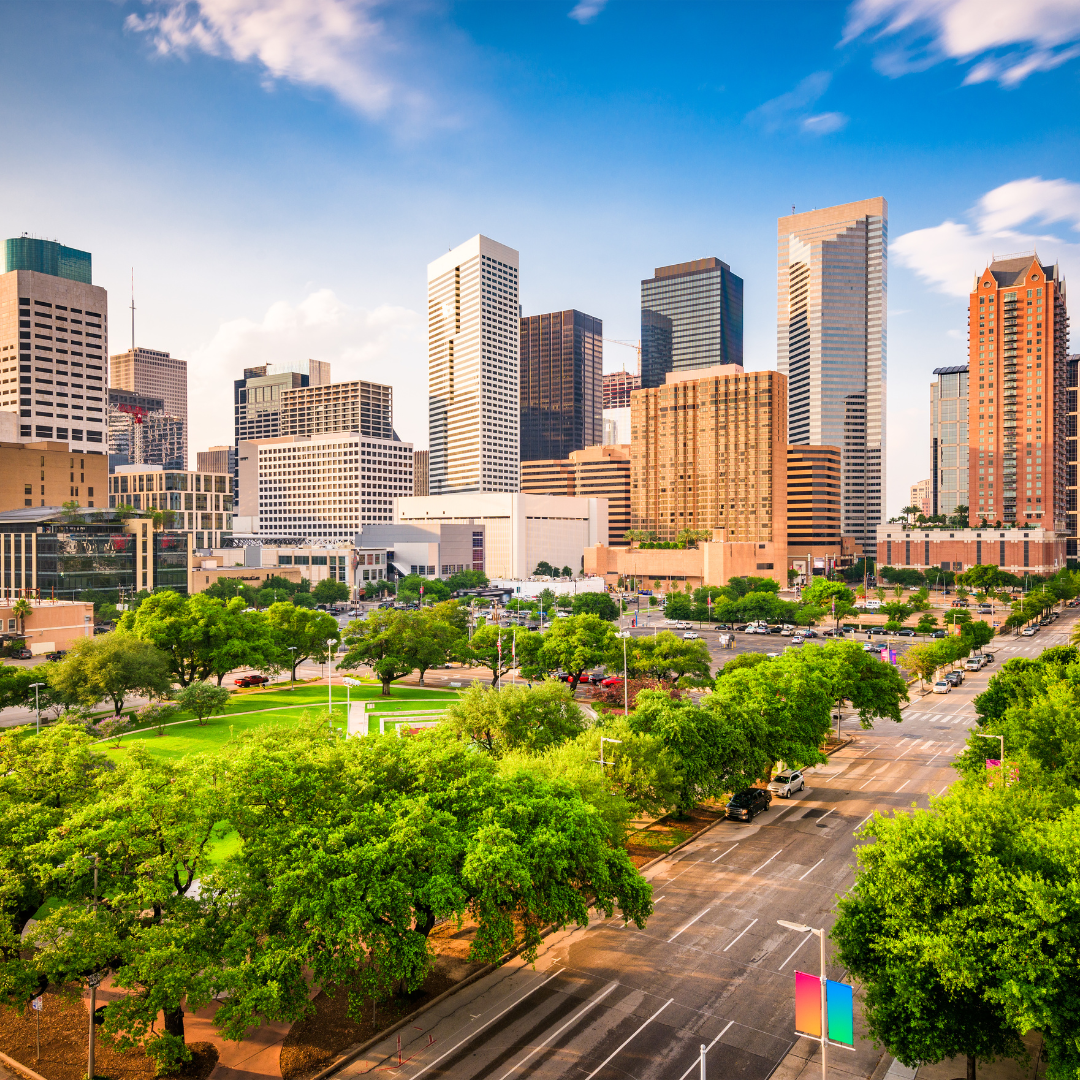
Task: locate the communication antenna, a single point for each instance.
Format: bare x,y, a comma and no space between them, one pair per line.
133,310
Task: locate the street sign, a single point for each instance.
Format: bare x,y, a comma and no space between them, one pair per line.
37,1003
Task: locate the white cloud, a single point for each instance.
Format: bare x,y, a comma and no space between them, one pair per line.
385,344
1000,39
949,255
793,108
584,11
336,45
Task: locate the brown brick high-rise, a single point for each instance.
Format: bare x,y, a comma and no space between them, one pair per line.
1018,333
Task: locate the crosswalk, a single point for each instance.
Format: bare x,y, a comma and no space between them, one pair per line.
952,719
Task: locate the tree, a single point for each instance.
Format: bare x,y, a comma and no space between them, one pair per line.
566,572
297,634
873,687
679,606
740,586
595,603
433,637
545,569
832,596
914,931
435,589
516,717
202,700
898,613
467,579
576,645
927,623
977,634
228,588
110,666
981,578
330,591
501,650
664,656
689,538
165,621
22,610
922,660
546,599
15,685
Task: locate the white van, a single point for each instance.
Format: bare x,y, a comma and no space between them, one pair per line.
872,605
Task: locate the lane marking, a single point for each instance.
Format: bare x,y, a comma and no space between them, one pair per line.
486,1024
868,779
628,1041
697,1064
812,868
765,863
734,939
795,950
624,925
555,1034
728,852
827,813
902,786
911,747
689,924
863,822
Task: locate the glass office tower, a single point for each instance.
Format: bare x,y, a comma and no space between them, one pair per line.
47,257
561,384
691,317
949,438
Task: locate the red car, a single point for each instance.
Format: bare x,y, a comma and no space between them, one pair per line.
251,680
612,680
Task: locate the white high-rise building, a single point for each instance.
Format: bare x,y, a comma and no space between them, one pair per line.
473,403
832,289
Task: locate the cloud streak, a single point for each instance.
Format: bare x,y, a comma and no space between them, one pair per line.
584,11
793,109
1001,41
1003,221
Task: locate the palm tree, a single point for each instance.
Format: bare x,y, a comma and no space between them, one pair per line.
20,609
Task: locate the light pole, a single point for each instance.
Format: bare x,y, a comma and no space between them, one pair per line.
292,649
37,708
625,686
329,684
820,934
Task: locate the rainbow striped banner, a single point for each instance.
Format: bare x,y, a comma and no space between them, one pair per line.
839,1007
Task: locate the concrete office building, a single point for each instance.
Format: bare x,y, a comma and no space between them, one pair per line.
365,407
473,360
709,451
54,344
218,459
520,530
257,398
420,472
50,474
813,501
154,373
561,384
433,549
322,487
601,472
691,317
948,440
142,433
832,272
197,503
1018,330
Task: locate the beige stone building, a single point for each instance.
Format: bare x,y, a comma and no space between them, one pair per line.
155,374
709,452
52,625
365,407
49,474
208,571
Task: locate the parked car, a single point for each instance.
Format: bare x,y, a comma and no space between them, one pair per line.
746,805
797,639
832,633
22,654
251,680
783,784
954,677
988,657
973,663
984,609
1028,631
869,646
906,632
744,628
938,634
811,633
942,686
58,655
724,626
612,680
690,635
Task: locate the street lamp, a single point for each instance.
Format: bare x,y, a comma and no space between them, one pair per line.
800,928
292,649
37,709
625,686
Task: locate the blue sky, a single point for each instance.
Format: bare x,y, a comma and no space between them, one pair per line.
280,172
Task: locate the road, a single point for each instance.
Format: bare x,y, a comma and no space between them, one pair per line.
611,1002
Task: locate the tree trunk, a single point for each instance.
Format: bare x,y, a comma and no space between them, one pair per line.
420,681
971,1067
174,1021
386,688
294,673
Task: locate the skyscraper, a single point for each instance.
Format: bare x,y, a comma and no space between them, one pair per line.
948,440
561,384
364,407
691,317
473,405
832,275
141,432
157,374
1018,332
54,337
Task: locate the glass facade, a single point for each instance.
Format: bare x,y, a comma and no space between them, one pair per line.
949,439
561,384
47,257
691,317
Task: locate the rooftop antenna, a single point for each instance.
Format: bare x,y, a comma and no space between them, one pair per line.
133,311
792,209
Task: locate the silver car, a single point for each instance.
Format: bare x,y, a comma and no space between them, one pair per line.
785,783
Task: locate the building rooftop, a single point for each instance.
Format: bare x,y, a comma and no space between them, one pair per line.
956,369
1011,271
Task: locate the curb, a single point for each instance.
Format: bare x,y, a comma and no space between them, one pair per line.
11,1063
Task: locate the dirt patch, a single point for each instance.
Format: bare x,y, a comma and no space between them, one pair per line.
668,832
64,1027
314,1043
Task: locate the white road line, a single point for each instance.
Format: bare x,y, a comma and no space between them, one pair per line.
624,925
555,1034
734,939
911,747
765,863
487,1024
689,924
812,868
697,1063
868,779
728,852
902,786
795,950
628,1041
827,813
862,823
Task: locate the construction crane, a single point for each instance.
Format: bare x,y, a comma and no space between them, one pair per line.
635,345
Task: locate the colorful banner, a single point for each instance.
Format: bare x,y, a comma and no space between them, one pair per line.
807,1004
841,1015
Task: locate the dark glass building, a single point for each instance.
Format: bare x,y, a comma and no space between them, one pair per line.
691,317
47,257
560,384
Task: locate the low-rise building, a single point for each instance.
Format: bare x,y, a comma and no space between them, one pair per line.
314,564
209,570
1017,551
438,549
49,474
51,626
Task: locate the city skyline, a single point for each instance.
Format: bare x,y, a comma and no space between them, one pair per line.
270,153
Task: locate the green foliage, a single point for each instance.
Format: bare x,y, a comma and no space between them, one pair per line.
574,645
902,575
742,660
679,606
743,585
202,700
545,569
927,623
435,589
467,579
664,656
330,591
110,666
296,634
495,647
532,719
595,603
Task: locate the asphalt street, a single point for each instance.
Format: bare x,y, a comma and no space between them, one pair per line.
712,966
